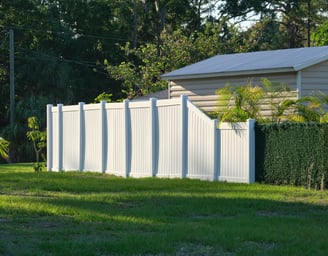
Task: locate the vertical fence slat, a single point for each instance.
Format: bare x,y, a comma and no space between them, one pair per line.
154,137
49,137
215,150
184,130
127,138
251,150
81,126
103,132
60,136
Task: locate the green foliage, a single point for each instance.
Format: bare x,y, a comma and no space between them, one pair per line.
283,24
292,154
61,45
279,99
38,139
239,103
319,36
144,65
4,148
104,97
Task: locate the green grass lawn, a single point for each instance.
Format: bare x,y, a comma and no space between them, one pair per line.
76,213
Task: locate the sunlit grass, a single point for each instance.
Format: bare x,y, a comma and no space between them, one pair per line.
77,213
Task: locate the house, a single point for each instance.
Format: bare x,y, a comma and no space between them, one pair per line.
304,70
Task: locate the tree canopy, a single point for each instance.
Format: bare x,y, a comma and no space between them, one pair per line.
75,51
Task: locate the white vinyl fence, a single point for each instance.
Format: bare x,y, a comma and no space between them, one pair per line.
162,138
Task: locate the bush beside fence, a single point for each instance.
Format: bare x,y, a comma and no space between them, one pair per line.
292,153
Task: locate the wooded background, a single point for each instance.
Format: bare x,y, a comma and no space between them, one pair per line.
70,51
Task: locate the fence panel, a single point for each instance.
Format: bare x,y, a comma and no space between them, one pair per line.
169,139
165,138
71,138
141,139
116,139
236,152
202,145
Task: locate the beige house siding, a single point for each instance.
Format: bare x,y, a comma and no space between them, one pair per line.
315,79
202,91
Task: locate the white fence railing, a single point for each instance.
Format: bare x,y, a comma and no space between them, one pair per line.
162,138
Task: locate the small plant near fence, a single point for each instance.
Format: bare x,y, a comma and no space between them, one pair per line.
38,139
269,103
4,148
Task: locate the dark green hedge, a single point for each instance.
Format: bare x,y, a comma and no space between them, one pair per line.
292,153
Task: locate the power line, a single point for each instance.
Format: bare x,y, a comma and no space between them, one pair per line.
47,57
71,33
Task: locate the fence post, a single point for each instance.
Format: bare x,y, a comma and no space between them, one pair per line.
154,151
216,151
127,138
103,136
81,136
60,136
251,150
184,130
49,138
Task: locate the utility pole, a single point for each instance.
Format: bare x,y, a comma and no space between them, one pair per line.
309,24
12,81
135,30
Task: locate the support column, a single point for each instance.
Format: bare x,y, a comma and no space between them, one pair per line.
154,136
127,138
251,150
299,84
81,136
49,138
103,136
216,164
60,137
184,130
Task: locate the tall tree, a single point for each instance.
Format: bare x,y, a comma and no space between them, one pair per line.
60,46
296,18
144,65
319,36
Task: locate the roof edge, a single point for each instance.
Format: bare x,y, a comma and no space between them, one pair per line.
235,73
311,63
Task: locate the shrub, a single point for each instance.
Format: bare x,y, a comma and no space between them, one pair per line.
4,148
292,153
38,139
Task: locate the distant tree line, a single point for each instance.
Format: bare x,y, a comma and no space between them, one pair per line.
73,51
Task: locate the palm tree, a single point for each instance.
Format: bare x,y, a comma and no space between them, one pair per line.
237,104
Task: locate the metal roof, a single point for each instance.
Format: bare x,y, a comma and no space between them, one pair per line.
286,60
